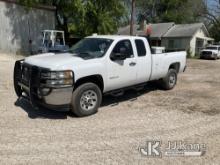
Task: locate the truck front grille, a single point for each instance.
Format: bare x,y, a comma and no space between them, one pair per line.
205,53
27,71
26,74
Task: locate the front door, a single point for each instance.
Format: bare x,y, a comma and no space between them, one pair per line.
122,73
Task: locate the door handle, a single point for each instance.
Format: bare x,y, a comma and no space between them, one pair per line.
132,64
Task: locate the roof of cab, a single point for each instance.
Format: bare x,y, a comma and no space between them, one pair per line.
115,37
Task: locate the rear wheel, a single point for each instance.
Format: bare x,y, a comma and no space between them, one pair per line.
86,99
169,82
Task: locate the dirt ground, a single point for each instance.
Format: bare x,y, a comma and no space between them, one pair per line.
190,113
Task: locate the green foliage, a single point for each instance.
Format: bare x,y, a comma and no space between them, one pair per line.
213,20
189,53
101,17
215,32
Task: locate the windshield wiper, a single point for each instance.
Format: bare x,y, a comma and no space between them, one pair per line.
84,55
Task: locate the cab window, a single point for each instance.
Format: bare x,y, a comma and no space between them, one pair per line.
141,50
124,44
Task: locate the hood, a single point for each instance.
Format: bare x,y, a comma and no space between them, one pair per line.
53,61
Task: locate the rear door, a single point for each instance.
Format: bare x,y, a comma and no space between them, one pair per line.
122,73
143,60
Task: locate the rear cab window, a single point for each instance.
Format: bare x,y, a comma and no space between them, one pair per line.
141,49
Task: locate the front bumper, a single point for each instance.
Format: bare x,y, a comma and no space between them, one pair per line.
208,56
53,98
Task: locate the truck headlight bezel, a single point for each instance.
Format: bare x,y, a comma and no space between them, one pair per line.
57,79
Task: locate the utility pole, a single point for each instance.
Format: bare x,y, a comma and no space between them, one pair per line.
132,17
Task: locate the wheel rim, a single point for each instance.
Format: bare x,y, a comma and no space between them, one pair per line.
88,100
172,80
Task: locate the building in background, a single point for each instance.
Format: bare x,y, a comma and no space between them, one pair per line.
158,31
20,28
189,37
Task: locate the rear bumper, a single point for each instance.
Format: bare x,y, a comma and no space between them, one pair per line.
52,98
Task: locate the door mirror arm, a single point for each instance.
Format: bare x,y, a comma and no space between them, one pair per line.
118,56
121,55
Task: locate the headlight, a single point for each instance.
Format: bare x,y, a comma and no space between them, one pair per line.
57,78
57,75
59,82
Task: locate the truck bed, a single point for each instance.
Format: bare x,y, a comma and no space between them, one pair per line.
161,63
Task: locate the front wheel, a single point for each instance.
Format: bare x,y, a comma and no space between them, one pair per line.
169,82
86,99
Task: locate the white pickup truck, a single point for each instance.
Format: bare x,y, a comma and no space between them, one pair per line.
211,52
95,66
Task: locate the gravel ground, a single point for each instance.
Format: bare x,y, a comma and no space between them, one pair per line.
190,112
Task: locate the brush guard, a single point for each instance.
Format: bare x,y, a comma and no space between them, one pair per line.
33,82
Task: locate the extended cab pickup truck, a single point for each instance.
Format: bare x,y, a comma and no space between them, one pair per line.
96,65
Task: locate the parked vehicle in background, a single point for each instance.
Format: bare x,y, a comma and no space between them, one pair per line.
94,66
53,41
211,52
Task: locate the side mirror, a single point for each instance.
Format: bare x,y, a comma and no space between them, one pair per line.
121,55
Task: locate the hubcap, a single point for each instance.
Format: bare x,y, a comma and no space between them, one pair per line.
88,100
172,80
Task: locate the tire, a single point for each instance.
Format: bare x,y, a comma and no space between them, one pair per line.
169,82
86,100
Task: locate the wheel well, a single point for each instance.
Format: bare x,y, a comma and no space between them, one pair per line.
175,66
96,79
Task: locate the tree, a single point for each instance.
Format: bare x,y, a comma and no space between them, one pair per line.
101,17
212,15
132,17
178,11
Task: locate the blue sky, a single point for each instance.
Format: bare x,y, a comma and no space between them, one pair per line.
211,3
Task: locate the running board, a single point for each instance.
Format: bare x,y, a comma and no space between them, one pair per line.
139,87
120,92
117,93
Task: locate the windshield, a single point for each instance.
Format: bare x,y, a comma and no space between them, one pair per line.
212,48
91,47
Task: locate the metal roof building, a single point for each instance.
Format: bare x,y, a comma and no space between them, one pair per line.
20,28
190,37
185,30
